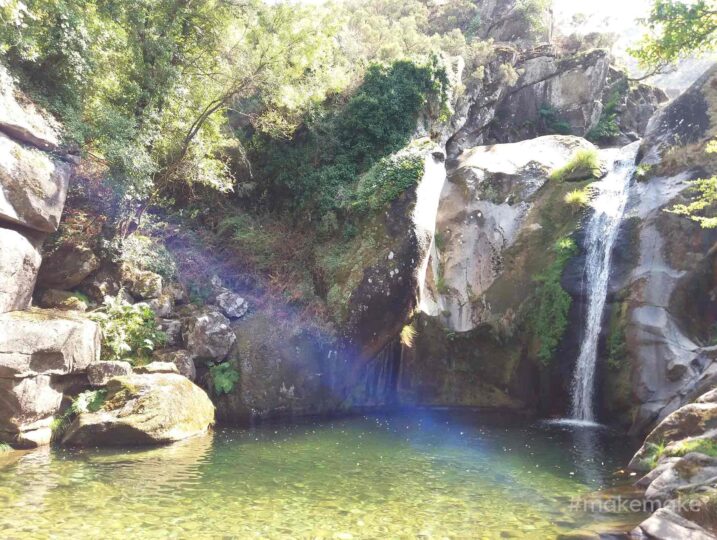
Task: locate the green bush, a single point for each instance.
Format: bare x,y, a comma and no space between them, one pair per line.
317,171
584,164
4,447
128,331
388,179
550,318
224,377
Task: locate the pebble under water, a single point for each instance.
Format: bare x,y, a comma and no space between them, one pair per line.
418,474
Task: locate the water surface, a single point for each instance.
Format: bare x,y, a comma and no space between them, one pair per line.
426,474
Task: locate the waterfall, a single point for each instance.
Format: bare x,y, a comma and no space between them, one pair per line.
601,232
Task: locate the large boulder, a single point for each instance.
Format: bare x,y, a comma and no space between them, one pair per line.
27,406
40,342
41,355
291,376
691,422
144,410
19,265
22,120
33,186
665,524
552,93
232,304
208,334
484,207
67,266
378,284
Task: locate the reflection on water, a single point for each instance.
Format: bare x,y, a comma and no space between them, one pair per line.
429,474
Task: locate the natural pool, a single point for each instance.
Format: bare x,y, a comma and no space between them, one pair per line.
420,474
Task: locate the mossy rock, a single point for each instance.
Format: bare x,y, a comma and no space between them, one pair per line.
144,410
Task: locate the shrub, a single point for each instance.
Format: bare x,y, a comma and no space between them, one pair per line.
584,164
607,127
317,170
551,123
551,316
4,447
642,173
224,377
654,452
578,198
128,331
88,401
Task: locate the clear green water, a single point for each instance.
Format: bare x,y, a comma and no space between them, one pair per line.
409,475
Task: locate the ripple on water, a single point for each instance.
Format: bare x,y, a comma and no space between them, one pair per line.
426,474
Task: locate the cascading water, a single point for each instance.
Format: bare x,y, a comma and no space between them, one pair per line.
601,232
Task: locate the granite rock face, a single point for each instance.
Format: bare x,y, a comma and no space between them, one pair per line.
42,342
33,186
40,351
19,265
483,209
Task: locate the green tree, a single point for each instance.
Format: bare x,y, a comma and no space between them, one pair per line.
677,29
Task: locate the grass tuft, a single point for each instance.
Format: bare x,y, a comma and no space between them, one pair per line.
584,164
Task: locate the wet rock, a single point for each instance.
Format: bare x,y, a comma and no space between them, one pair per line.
142,284
67,266
144,410
374,306
157,367
667,525
683,475
695,420
288,376
33,186
27,406
62,300
231,304
208,334
99,373
46,342
183,359
19,264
